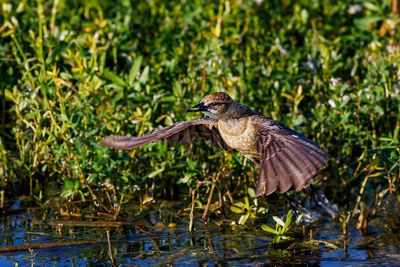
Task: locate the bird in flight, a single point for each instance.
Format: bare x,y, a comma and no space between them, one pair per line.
286,158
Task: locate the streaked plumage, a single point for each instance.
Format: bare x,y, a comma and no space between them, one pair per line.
286,158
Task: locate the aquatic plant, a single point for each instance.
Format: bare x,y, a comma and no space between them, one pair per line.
282,228
247,209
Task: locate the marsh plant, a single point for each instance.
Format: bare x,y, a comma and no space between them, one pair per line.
249,208
282,228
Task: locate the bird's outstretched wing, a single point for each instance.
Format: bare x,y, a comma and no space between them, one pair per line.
287,157
181,133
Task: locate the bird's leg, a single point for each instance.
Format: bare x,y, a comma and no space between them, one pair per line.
311,192
295,206
323,202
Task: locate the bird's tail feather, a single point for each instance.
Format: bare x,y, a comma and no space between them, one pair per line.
292,166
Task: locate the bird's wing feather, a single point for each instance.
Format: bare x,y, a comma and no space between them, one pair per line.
182,133
287,158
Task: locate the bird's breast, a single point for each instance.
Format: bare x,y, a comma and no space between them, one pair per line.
240,135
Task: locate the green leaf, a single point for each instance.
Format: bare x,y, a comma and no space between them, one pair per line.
178,90
298,219
9,95
102,62
240,204
185,179
114,78
278,221
247,203
371,6
288,220
82,195
236,209
69,184
145,75
268,229
135,69
155,173
66,193
364,24
251,192
77,184
379,110
244,218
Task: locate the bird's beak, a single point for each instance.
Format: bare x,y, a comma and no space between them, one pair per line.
198,107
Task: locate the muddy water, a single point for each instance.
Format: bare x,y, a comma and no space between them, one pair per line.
152,240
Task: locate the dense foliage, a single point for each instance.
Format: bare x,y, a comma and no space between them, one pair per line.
75,71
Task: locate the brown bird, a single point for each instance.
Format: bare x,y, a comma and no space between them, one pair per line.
286,158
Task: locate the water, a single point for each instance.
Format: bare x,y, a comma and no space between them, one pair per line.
147,240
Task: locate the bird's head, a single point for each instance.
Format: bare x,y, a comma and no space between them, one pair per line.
215,105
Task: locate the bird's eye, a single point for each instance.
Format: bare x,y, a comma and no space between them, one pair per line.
215,105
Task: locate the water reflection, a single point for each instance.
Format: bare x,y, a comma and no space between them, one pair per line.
146,241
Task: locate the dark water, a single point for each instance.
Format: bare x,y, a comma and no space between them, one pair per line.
144,241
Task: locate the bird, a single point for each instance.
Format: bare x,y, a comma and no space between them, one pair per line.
286,158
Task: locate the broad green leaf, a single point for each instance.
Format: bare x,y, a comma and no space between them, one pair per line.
236,209
365,23
145,75
114,78
244,218
240,204
268,229
155,173
246,200
135,69
9,95
278,221
251,192
371,6
288,219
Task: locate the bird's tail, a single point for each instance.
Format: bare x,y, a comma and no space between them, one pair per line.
293,164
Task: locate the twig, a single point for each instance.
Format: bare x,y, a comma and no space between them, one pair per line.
88,223
205,214
191,215
228,193
85,216
49,245
361,193
395,6
191,228
315,243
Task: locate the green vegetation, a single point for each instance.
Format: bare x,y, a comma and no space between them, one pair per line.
247,209
281,228
72,72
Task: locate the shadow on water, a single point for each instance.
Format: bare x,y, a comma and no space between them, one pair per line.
151,240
